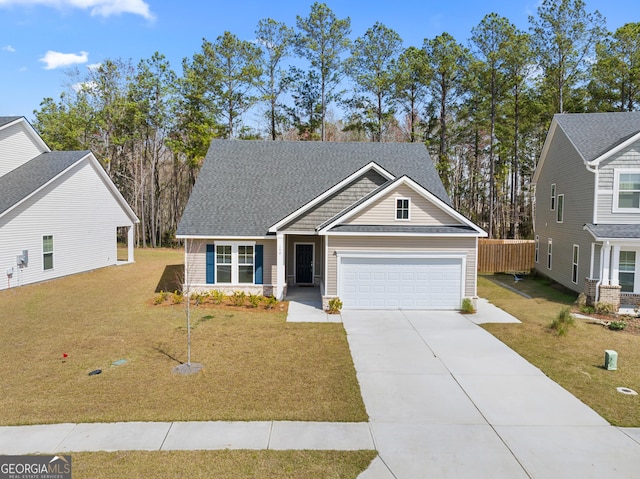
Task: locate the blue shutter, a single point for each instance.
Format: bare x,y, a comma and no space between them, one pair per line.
211,260
258,264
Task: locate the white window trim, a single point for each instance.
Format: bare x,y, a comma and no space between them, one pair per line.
549,254
52,252
537,250
560,210
235,273
395,213
575,263
552,204
636,278
616,190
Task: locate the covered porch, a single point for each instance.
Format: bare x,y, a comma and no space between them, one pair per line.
300,264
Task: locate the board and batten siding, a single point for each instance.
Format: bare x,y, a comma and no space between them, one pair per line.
337,202
197,265
421,211
16,148
565,168
628,158
395,244
79,210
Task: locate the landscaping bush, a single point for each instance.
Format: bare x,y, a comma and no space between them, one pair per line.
238,298
161,297
217,296
467,306
605,308
176,297
617,325
563,322
254,300
335,305
270,302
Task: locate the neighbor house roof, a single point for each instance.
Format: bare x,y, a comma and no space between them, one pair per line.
24,180
244,187
614,231
594,134
5,120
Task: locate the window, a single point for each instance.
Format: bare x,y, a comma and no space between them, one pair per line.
235,263
47,252
574,264
553,197
245,264
402,209
549,253
627,190
627,271
537,250
560,209
223,264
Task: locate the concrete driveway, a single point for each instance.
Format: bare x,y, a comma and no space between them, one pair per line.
448,400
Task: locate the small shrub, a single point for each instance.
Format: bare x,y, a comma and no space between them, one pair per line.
217,296
270,302
198,298
254,300
467,306
617,325
161,297
335,305
605,308
581,302
563,322
587,309
177,297
238,298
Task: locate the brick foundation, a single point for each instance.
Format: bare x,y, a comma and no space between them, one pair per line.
610,295
590,291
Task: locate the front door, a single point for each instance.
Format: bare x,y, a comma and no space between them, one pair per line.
304,263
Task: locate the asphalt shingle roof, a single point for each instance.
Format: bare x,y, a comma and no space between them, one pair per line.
24,180
621,231
5,120
593,134
244,187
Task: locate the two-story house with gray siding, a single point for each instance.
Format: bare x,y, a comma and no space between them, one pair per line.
587,206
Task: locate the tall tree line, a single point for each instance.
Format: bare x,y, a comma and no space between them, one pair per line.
482,107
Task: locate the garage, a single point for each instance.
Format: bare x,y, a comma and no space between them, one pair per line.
400,282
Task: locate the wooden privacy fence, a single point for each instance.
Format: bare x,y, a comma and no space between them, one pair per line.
505,256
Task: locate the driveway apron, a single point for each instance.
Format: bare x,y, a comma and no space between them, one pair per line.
446,399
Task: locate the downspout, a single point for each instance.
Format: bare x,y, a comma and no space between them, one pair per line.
594,170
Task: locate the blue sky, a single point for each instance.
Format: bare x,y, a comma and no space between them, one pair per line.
41,39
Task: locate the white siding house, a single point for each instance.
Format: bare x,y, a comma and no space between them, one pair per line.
59,211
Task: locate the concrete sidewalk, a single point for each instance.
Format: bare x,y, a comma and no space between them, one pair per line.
165,436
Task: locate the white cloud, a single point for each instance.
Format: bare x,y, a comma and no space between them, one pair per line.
53,59
104,8
8,48
93,66
84,86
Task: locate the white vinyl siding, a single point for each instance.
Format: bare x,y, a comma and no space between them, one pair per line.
16,148
607,204
82,215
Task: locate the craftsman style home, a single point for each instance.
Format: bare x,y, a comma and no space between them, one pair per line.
59,211
587,206
369,223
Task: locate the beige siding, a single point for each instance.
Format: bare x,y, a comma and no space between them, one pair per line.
16,148
421,212
197,265
464,246
337,202
564,167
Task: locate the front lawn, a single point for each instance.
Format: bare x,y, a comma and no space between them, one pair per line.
256,366
576,360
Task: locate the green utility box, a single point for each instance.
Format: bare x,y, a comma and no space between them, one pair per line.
610,360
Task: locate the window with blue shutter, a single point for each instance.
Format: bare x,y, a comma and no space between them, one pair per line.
258,263
210,264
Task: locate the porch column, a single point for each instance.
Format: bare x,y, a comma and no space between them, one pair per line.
615,266
279,266
606,262
130,238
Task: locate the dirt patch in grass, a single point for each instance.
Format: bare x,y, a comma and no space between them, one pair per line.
575,361
221,464
256,365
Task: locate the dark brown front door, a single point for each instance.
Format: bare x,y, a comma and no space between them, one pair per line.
304,263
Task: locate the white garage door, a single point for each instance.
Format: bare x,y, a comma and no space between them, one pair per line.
400,283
